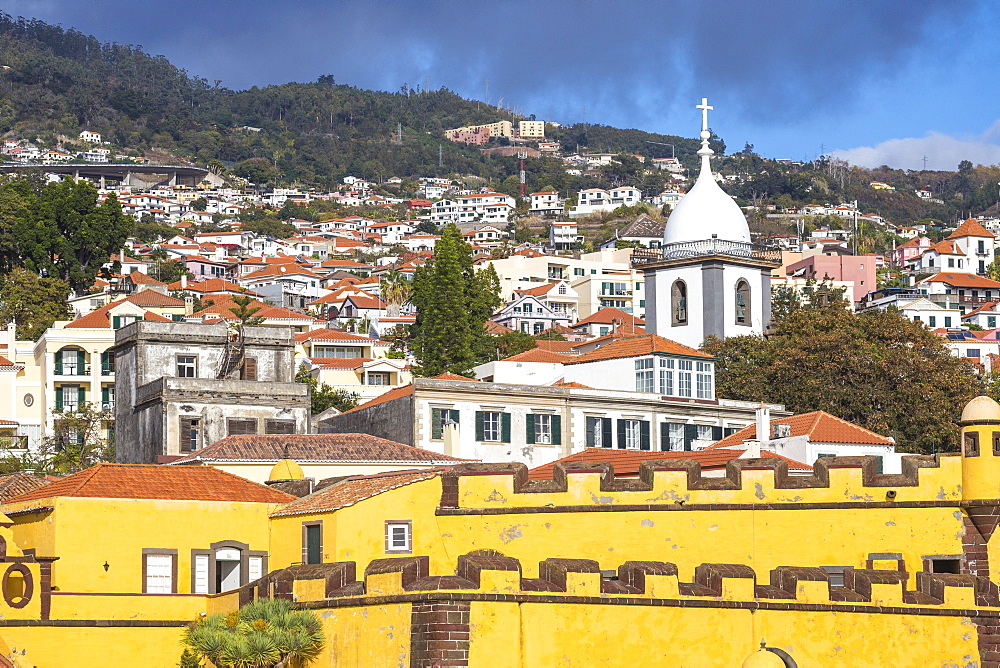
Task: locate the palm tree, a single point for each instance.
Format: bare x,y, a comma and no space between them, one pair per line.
395,292
267,633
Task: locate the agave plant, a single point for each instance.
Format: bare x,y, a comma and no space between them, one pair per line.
267,633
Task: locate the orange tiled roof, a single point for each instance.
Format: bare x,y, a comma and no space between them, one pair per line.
819,426
15,484
539,290
562,383
970,228
153,298
139,278
5,362
339,362
496,328
101,318
565,347
140,481
334,335
627,462
539,355
313,448
395,393
212,285
607,315
962,280
636,346
353,490
448,375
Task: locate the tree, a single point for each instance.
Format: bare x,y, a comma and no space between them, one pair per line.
170,271
244,311
266,633
32,303
453,303
65,233
550,334
323,396
257,170
396,290
878,370
77,441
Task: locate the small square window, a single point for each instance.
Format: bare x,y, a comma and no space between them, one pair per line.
399,537
187,366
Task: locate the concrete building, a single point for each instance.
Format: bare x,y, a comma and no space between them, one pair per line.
858,269
183,386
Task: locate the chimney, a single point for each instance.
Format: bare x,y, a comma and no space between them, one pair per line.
763,436
451,437
188,304
184,281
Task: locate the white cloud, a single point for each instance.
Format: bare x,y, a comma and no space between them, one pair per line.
942,151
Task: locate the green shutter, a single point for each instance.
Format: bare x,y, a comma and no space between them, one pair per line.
606,432
592,426
453,414
59,368
59,400
621,434
505,427
437,431
664,436
104,395
116,321
556,430
81,360
644,440
529,428
480,428
82,394
690,434
716,433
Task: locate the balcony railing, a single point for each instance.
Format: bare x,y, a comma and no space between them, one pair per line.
689,249
63,369
107,369
15,442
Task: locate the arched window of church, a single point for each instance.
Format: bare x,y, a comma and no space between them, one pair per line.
678,303
742,302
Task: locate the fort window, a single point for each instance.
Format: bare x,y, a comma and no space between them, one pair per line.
945,566
187,366
996,443
971,444
399,537
836,574
159,571
599,432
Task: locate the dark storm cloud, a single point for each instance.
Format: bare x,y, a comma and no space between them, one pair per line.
628,63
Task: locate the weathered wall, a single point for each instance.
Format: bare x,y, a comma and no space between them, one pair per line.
392,420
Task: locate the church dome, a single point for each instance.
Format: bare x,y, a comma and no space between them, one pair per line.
706,209
763,659
286,469
980,409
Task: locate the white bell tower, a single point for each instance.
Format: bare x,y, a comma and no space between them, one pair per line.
708,279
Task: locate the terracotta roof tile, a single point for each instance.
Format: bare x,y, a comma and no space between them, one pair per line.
339,362
496,328
962,280
539,355
818,425
395,393
447,375
565,347
636,346
138,481
15,484
607,315
140,278
101,318
334,335
627,462
153,298
5,362
970,228
304,448
562,383
352,490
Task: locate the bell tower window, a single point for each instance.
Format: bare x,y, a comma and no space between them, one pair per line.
742,302
678,303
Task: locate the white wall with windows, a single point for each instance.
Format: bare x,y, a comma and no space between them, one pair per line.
656,373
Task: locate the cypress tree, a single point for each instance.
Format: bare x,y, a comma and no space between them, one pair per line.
453,303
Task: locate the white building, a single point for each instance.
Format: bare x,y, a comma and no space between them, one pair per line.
596,200
546,204
563,234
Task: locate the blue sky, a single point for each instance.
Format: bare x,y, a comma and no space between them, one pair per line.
883,81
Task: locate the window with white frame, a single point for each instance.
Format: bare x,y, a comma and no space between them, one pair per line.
684,378
399,536
378,378
666,376
633,434
491,426
543,428
187,366
703,380
644,381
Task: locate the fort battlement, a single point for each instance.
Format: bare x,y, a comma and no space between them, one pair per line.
678,484
488,575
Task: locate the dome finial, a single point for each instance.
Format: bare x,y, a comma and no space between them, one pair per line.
706,134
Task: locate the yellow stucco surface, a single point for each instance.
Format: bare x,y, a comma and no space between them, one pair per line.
90,647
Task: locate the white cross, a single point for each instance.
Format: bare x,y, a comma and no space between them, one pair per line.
704,112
